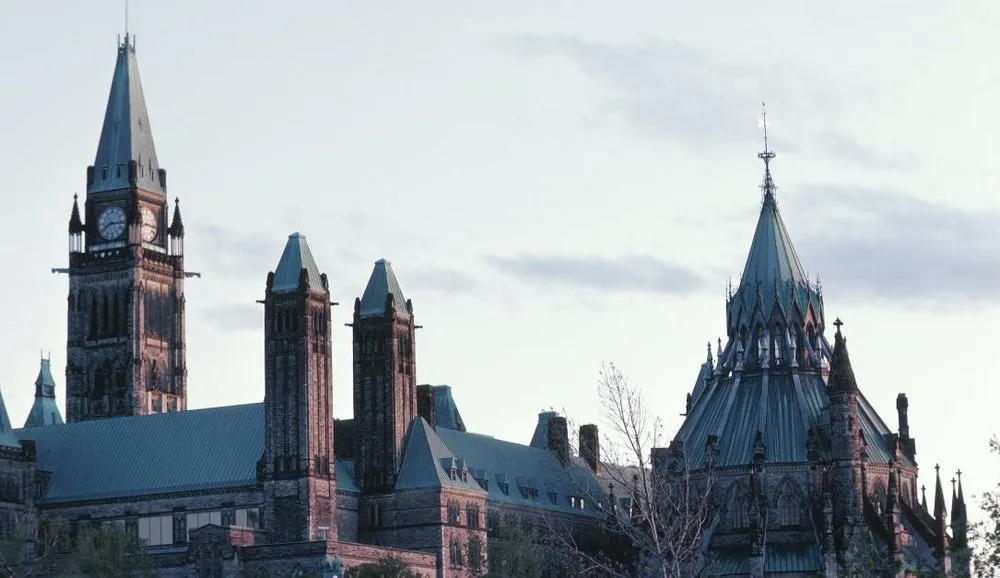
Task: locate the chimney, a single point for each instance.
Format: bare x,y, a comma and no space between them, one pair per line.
558,442
425,404
590,447
902,405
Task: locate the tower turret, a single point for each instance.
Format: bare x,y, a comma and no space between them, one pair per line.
44,410
385,399
176,231
76,228
125,350
298,463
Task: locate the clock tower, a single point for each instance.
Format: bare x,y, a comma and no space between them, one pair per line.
125,337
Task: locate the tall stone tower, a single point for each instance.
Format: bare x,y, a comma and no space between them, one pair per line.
385,394
125,334
298,468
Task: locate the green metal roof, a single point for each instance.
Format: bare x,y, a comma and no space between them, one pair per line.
495,461
294,259
183,451
381,284
126,134
446,412
44,411
428,462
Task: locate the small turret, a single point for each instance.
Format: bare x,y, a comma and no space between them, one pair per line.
841,374
176,230
940,516
76,228
44,410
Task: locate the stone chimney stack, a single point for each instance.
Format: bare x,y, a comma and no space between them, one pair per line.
590,447
902,405
425,404
558,442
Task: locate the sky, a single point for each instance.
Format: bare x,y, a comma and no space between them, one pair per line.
557,184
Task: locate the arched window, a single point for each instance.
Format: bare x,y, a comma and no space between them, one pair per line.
879,497
738,516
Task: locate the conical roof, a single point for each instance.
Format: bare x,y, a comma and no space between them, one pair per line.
773,276
841,373
126,134
294,259
381,284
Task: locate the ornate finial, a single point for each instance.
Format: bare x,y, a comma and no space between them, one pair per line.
838,324
766,156
74,197
937,469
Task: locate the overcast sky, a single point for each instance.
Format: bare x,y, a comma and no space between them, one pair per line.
556,183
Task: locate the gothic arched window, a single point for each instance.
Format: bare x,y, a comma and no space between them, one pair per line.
738,516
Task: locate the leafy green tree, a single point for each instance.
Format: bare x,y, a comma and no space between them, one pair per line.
105,550
513,552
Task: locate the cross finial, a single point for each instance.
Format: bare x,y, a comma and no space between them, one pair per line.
952,484
959,474
937,468
838,324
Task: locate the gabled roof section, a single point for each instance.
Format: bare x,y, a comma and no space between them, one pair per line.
294,259
44,410
526,476
126,134
424,459
445,409
381,284
7,437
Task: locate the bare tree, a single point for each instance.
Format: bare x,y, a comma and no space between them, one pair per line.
656,508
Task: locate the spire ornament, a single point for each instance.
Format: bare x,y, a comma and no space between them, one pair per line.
767,155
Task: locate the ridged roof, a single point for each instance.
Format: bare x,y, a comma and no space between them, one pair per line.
772,257
162,453
446,412
381,284
126,134
294,259
497,461
44,410
424,459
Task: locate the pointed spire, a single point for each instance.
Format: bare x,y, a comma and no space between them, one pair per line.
923,496
176,224
126,137
939,508
295,259
44,411
772,273
841,373
767,156
75,222
381,285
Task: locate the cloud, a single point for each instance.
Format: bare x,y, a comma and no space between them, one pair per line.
244,256
674,91
889,246
437,279
237,316
630,273
850,149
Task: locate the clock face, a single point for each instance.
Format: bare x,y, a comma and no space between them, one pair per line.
111,223
149,228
